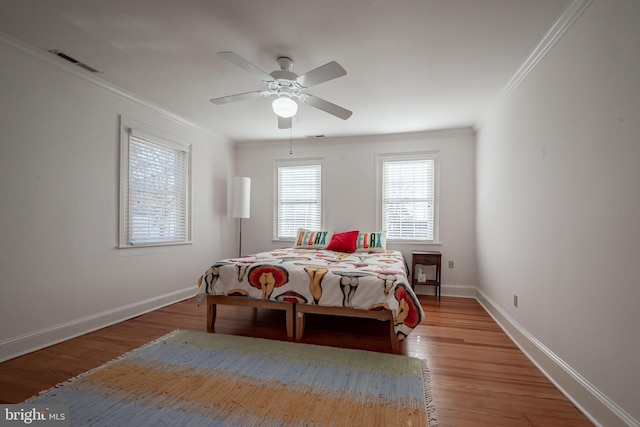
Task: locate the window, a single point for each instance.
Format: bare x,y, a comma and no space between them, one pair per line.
298,197
408,194
154,188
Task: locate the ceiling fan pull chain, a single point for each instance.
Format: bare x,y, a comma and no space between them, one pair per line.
290,140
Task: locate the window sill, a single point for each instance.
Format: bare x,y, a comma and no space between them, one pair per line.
287,241
414,242
152,249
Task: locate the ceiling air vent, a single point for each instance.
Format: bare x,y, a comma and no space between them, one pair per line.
73,60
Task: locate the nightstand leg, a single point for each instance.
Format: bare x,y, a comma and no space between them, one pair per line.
439,281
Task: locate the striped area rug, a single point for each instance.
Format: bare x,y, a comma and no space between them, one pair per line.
202,379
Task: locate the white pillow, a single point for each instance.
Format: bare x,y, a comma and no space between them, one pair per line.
313,239
374,241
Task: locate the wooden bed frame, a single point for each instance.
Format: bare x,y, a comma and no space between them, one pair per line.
298,312
214,300
302,309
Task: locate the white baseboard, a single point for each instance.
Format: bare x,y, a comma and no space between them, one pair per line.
447,290
23,344
595,405
459,291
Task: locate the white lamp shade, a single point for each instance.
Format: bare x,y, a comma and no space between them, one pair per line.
241,205
285,107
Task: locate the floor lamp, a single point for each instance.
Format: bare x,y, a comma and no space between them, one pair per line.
241,202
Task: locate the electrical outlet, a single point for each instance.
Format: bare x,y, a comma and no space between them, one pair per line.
450,264
515,300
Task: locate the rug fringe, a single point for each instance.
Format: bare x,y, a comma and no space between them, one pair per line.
104,365
432,421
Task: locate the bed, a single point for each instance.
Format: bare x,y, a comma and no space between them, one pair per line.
303,280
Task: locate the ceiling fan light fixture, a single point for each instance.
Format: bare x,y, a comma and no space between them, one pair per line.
285,107
286,85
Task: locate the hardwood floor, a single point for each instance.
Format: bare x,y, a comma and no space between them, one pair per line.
478,376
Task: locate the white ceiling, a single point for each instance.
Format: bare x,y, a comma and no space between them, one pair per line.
412,65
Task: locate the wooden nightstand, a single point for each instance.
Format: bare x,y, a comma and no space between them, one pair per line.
426,258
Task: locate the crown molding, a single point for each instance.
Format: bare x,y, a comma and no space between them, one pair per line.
559,28
369,139
19,47
564,22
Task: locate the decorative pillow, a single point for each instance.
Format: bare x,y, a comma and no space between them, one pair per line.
375,241
344,242
313,239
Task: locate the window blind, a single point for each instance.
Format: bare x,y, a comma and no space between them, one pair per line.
408,199
157,192
299,199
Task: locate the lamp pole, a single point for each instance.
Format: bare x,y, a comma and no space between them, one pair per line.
241,202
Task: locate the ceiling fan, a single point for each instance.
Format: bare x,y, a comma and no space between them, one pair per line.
286,86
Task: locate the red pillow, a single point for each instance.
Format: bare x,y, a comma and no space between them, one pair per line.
344,242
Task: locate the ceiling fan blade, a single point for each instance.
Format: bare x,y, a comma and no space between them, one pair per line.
240,97
327,107
284,123
326,72
246,65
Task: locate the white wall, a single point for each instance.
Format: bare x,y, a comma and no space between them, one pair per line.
60,271
558,201
349,168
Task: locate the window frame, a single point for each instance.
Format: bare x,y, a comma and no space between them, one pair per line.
316,161
155,136
381,158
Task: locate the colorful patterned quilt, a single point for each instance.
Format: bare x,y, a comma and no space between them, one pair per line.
365,281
